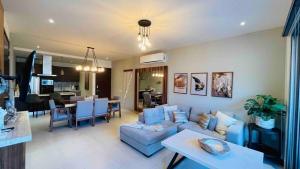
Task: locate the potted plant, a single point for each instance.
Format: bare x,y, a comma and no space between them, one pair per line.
264,108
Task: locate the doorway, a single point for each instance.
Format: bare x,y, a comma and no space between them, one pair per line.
103,84
150,87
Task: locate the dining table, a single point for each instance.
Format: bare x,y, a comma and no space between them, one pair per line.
73,104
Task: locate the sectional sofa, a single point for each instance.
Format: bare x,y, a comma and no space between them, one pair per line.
149,142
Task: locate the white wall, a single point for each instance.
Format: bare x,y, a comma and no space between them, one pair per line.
257,60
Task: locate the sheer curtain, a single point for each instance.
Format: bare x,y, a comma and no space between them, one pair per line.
292,140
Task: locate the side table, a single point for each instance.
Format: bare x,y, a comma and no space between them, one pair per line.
268,151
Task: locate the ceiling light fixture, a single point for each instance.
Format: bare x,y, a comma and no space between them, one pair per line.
50,20
86,67
243,23
144,34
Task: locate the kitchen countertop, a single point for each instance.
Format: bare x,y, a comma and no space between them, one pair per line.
61,93
20,134
47,95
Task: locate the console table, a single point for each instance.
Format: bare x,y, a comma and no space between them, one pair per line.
260,146
13,142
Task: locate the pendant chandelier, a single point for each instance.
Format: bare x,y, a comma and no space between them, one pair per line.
85,67
144,33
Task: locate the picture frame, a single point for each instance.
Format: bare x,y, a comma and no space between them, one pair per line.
180,83
222,84
198,84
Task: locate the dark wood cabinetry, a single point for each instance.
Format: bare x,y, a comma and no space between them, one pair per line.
65,74
103,84
69,73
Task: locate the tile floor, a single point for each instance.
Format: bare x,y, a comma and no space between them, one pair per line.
89,147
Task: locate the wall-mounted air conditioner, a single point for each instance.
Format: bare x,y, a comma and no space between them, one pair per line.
153,58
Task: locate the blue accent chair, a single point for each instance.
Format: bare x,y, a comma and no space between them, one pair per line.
58,114
84,111
101,109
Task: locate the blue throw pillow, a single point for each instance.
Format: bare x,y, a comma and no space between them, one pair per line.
180,117
153,116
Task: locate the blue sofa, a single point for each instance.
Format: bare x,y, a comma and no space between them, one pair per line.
149,142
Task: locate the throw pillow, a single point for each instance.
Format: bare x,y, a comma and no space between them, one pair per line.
180,117
221,128
153,116
167,110
204,120
212,123
224,121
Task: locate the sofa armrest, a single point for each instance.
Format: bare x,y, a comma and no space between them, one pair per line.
141,117
235,133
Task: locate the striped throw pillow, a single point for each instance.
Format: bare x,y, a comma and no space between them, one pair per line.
204,120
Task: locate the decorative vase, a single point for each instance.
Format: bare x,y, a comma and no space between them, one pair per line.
266,124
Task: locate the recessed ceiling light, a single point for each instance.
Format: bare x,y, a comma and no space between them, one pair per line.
243,23
51,20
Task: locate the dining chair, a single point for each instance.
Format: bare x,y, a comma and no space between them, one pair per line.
84,111
101,109
59,101
35,104
95,97
76,98
58,114
148,103
115,107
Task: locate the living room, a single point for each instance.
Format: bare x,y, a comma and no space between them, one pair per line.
149,84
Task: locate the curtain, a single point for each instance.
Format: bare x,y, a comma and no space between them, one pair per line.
292,148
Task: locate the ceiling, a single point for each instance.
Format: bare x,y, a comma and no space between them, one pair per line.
111,25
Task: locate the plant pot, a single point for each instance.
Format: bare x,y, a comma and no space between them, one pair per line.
266,124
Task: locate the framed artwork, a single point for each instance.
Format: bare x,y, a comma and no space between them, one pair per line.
180,83
222,83
198,84
87,80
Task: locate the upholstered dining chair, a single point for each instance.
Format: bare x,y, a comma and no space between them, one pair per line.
76,98
115,107
35,104
59,101
148,103
101,109
84,111
58,114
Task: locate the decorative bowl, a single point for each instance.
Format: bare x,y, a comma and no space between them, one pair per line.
214,146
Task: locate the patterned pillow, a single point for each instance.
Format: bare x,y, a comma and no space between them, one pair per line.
180,117
168,109
204,120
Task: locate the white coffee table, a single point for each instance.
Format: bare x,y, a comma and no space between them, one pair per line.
186,144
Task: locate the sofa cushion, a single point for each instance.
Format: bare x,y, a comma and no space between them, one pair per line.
186,109
204,120
146,137
167,110
194,117
224,121
153,115
195,127
180,117
213,121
